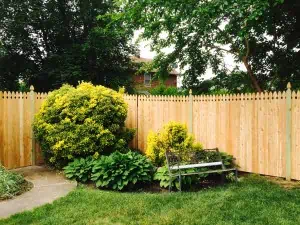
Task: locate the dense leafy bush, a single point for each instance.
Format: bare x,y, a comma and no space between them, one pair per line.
173,136
118,170
11,184
78,122
80,169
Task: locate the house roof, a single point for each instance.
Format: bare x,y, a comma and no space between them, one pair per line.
145,60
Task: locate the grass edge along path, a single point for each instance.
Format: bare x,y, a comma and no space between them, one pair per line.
254,200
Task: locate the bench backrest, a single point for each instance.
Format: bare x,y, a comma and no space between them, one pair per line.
204,156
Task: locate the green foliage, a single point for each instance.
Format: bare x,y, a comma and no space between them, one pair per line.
11,183
162,175
80,169
163,90
78,122
260,35
119,171
173,136
50,43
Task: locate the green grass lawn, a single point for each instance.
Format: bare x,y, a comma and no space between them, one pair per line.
252,201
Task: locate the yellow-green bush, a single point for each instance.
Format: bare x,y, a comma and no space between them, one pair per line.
173,136
82,121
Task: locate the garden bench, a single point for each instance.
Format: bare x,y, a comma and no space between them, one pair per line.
177,164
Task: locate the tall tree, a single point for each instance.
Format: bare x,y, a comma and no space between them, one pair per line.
51,42
261,35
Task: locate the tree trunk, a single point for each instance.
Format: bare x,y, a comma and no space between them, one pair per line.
252,76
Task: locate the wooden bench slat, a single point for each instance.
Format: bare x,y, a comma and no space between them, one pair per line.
196,165
204,172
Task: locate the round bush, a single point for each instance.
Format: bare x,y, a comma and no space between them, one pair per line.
173,136
82,121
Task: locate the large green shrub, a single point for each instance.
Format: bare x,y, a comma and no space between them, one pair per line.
173,136
118,170
78,122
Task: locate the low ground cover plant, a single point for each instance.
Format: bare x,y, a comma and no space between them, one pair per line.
162,175
120,170
80,121
117,171
11,184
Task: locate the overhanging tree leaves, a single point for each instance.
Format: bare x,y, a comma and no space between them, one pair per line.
54,42
257,33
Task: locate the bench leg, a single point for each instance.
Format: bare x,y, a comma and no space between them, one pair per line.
223,178
170,184
179,179
236,175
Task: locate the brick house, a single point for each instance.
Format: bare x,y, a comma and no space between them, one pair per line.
145,81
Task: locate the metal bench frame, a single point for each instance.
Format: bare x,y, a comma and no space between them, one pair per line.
175,166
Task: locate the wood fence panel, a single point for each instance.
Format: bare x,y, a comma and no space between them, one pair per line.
155,111
131,120
27,143
39,98
295,136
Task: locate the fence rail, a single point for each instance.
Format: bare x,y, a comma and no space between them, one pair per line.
260,130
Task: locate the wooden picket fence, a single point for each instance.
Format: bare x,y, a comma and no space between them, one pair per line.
17,145
259,130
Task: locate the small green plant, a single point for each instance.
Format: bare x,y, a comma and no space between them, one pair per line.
162,175
11,184
117,171
173,136
80,169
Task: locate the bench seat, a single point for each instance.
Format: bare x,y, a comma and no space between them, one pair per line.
177,168
199,165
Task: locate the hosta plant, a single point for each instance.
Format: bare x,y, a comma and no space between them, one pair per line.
80,169
117,171
162,175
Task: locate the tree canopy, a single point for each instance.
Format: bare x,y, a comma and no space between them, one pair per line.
48,43
262,35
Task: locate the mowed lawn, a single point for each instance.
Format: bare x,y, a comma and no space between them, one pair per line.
252,201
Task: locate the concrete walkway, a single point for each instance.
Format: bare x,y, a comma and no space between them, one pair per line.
48,185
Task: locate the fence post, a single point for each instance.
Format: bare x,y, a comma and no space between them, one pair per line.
288,131
32,107
191,111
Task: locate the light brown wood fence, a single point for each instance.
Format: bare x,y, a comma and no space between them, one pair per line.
17,147
254,128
